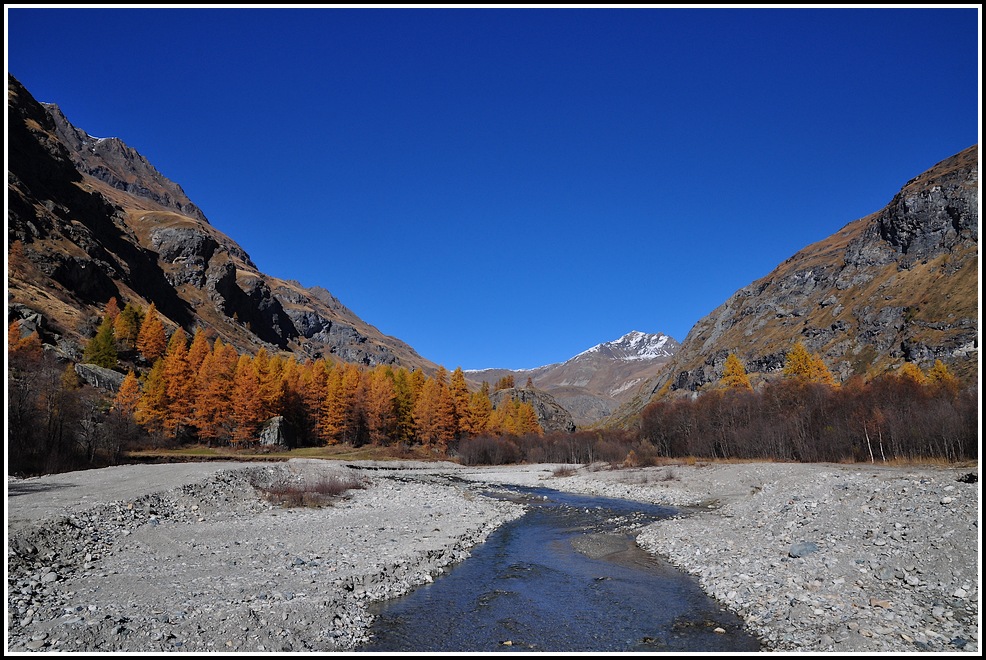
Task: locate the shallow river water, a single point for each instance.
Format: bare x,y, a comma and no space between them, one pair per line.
566,576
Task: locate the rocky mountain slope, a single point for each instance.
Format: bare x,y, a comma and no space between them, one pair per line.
593,384
898,285
90,219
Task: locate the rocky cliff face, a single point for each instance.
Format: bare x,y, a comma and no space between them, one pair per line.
111,161
594,383
898,285
91,219
552,416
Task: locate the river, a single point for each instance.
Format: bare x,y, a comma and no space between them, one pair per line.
566,576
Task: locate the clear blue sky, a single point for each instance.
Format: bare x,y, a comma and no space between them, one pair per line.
508,187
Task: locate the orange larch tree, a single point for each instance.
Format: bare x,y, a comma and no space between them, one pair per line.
180,383
380,399
152,340
128,396
153,406
247,406
459,391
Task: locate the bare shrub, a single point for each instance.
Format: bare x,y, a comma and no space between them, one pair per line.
669,474
318,492
563,471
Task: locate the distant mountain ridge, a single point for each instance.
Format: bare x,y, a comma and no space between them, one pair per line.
594,383
96,220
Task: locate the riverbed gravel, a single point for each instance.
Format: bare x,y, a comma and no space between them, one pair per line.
193,557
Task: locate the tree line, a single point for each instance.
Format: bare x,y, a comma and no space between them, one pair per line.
182,389
906,414
203,390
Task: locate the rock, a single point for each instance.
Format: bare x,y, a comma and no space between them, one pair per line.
274,432
100,377
551,415
802,548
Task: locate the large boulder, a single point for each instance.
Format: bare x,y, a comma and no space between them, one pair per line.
101,377
274,432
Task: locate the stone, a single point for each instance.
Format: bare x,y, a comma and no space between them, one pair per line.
274,432
100,377
802,548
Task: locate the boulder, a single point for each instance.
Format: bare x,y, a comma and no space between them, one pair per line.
101,377
274,432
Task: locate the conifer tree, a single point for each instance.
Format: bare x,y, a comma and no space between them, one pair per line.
213,410
434,415
180,384
505,383
807,367
526,420
101,349
13,335
153,405
31,346
127,324
272,386
24,347
334,409
381,418
314,387
912,372
152,341
734,374
198,349
112,309
459,391
480,409
247,408
404,400
940,376
128,396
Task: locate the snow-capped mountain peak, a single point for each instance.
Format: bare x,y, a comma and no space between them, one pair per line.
635,345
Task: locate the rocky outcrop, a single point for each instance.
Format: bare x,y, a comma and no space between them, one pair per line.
551,416
100,377
275,432
110,160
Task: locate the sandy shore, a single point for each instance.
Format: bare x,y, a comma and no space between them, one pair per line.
188,557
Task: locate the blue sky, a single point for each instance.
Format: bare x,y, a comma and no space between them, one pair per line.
506,187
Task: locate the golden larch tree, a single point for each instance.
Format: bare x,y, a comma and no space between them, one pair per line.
734,376
380,396
940,376
153,406
180,383
807,367
247,407
434,415
128,396
152,341
459,391
480,409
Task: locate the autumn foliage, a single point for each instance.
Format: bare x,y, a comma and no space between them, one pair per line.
901,415
204,390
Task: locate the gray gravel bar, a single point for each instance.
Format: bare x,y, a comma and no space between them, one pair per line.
190,558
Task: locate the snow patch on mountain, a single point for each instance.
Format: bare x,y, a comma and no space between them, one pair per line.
634,345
